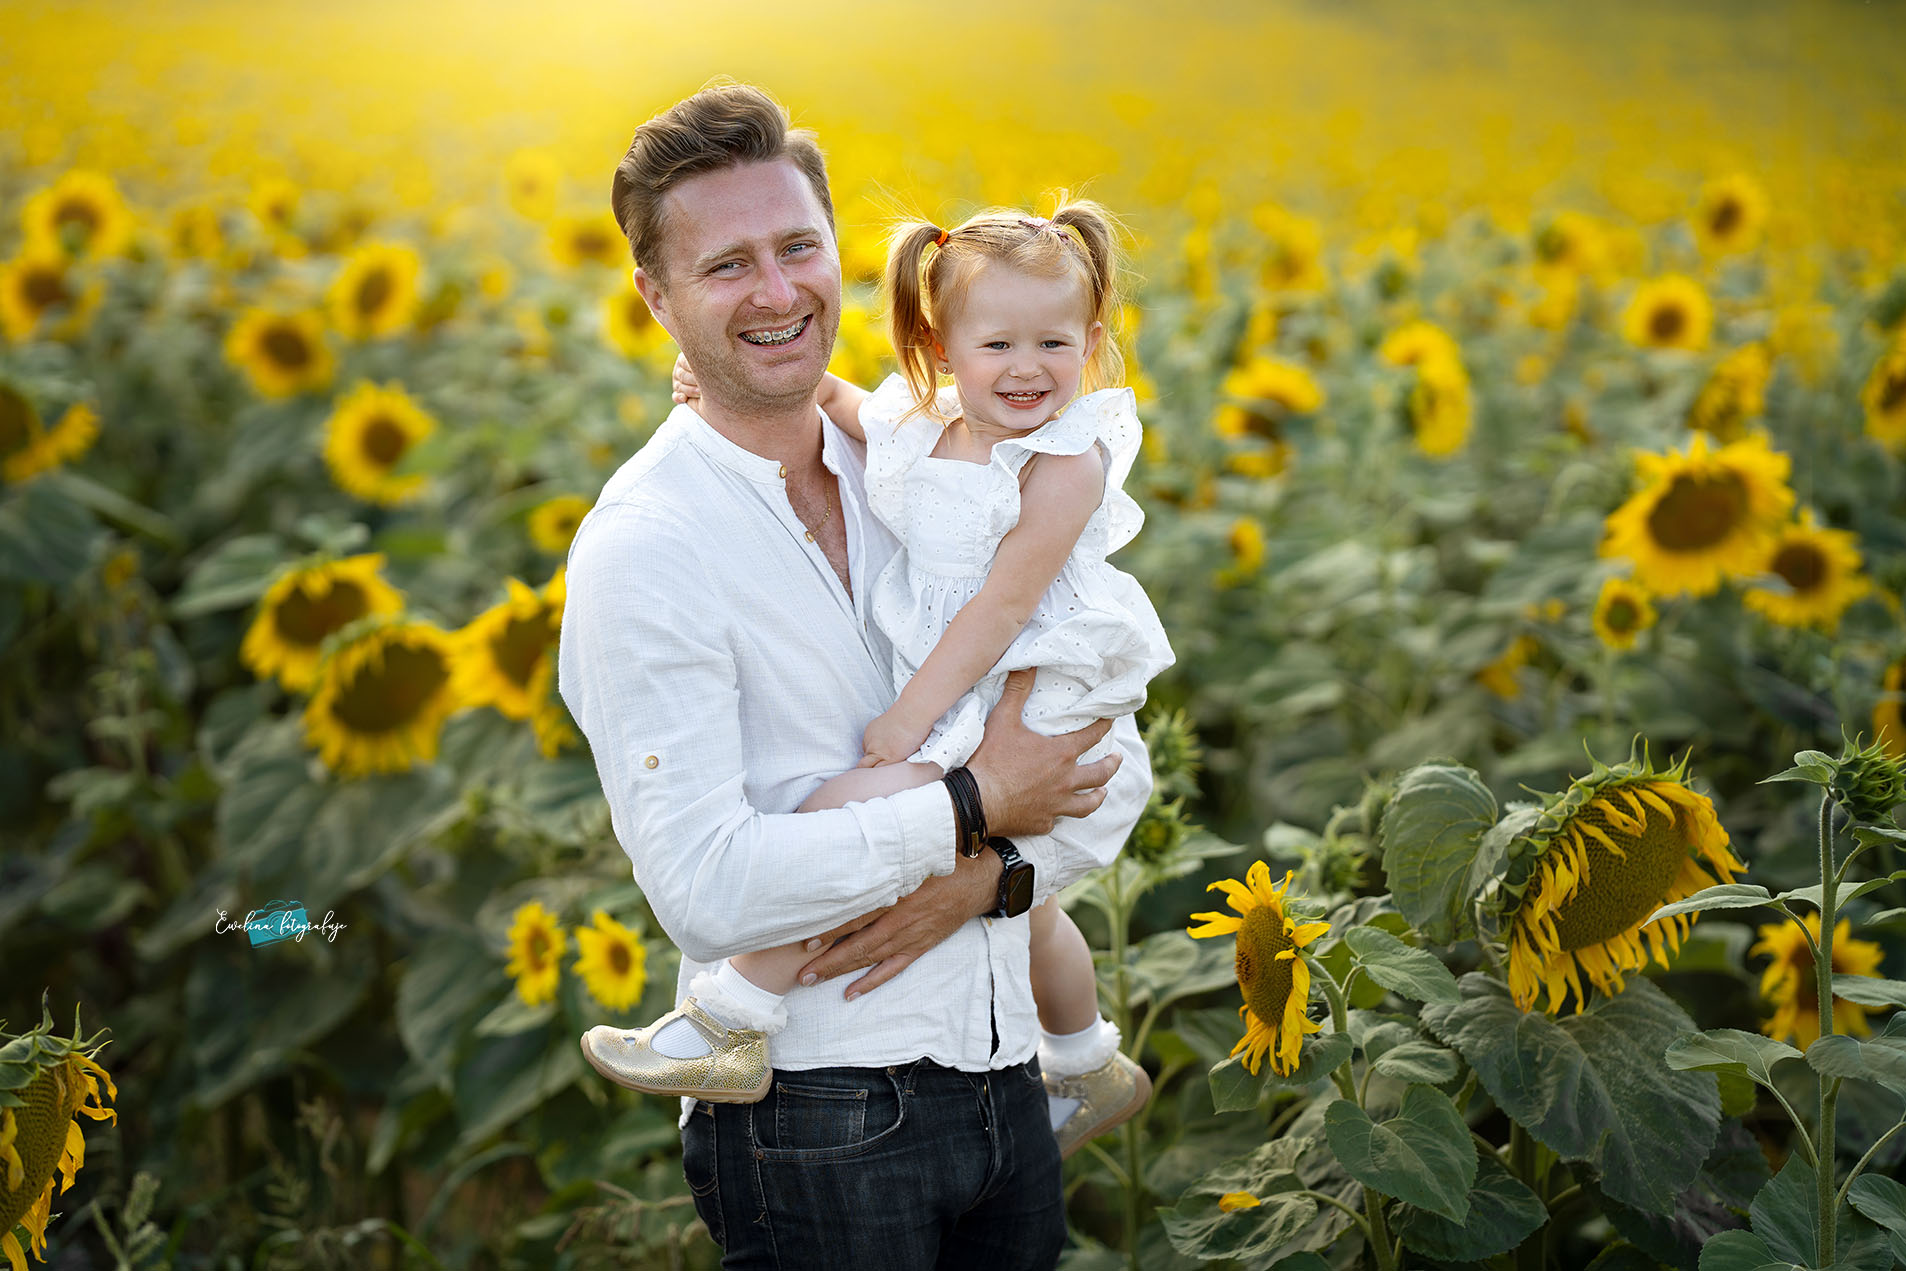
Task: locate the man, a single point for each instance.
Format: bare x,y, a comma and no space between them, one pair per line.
718,653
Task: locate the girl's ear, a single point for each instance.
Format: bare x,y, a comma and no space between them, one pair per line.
939,353
1093,335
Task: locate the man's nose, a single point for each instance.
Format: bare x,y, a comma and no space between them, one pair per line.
773,291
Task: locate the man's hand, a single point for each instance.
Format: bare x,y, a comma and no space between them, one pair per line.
889,939
1028,781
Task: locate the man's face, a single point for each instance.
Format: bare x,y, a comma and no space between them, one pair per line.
752,290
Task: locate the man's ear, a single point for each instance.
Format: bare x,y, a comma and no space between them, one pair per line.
656,298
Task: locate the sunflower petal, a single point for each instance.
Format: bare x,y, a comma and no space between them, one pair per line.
1214,924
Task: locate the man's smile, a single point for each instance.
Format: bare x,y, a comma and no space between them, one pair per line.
780,335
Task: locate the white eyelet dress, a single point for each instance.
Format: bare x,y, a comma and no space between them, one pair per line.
1095,638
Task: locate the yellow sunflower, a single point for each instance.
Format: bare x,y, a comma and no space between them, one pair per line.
1820,572
1272,974
381,696
587,238
1499,677
1623,611
1884,397
1607,852
376,292
196,232
1701,514
532,180
553,524
1417,342
1889,713
27,449
82,215
1246,541
274,202
1730,214
1735,393
1293,250
1561,292
860,347
1571,241
1439,408
281,353
536,951
632,330
368,434
613,965
1265,392
39,1136
1670,312
548,717
503,647
1791,985
39,286
300,610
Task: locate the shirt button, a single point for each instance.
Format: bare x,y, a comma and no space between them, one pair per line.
650,762
784,471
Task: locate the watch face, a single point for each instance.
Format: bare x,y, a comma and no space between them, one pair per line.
1018,890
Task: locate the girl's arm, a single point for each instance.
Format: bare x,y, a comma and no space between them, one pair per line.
840,402
838,399
1058,498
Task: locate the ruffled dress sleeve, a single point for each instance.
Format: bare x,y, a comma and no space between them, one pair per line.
894,444
1108,419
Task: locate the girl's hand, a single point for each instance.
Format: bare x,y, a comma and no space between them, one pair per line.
889,739
683,381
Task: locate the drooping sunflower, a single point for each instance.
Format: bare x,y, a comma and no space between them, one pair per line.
1730,214
282,353
27,448
587,238
376,293
1271,972
552,524
38,286
532,180
632,330
82,215
1735,393
1793,988
1670,312
1499,677
381,695
1884,396
503,647
1607,852
1439,407
536,943
613,965
368,434
1819,573
1701,514
1262,394
54,1081
305,607
1623,611
1889,713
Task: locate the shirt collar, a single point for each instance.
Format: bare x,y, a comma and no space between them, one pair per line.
741,460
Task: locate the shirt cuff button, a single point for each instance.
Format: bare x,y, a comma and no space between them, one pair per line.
651,762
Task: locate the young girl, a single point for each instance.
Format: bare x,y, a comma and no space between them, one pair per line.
1004,491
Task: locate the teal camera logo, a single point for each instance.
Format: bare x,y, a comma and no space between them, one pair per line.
280,920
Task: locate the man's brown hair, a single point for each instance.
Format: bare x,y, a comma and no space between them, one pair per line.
724,125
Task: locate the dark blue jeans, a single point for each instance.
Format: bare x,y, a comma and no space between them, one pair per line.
910,1167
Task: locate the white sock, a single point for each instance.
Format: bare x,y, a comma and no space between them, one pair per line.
1072,1054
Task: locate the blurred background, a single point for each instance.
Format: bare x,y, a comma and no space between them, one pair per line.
317,339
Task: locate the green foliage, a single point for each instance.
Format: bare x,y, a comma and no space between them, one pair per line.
1433,833
1423,1156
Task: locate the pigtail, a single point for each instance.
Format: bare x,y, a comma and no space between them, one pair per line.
906,312
1097,232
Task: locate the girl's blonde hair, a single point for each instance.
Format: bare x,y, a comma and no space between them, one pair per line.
929,271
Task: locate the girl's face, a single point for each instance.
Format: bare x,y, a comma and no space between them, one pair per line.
1018,347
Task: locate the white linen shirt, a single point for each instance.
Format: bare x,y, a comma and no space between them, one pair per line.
721,673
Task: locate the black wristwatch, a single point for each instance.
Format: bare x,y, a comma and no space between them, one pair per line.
1015,881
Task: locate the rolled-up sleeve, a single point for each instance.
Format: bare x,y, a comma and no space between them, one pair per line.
647,666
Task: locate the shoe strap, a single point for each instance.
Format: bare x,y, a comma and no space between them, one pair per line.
710,1028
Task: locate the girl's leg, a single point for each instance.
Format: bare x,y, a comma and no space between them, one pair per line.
857,785
1064,986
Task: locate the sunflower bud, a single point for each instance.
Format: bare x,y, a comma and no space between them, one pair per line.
1160,831
1175,753
1867,782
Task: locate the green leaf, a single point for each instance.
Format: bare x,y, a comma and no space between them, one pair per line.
448,985
1732,1175
1725,896
1306,1261
1622,1256
1423,1155
1869,990
1592,1087
504,1078
1233,1089
1432,831
1883,1200
234,575
1502,1214
1730,1050
1198,1229
1882,1060
1419,1061
1812,766
1786,1214
1416,974
512,1016
1812,894
1742,1251
45,537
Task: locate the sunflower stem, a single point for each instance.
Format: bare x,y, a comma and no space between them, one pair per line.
1133,1181
1340,1022
1829,1088
1380,1244
1522,1163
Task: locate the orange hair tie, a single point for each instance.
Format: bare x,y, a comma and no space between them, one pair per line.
940,241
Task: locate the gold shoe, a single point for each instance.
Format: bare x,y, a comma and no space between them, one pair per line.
734,1071
1108,1097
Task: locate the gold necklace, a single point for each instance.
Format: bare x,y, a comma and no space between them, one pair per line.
824,515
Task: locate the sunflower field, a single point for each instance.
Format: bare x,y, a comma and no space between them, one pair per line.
1525,489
